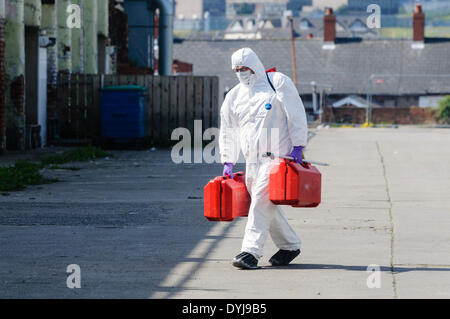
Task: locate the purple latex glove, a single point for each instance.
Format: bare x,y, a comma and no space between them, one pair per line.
297,154
228,170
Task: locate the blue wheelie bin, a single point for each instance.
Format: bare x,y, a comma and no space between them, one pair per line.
123,113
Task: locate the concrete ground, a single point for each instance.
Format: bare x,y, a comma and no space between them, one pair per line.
134,224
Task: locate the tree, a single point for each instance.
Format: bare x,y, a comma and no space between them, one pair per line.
443,112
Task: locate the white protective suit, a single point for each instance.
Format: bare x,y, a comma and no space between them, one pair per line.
257,120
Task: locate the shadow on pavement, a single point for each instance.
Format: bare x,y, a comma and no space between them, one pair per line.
127,222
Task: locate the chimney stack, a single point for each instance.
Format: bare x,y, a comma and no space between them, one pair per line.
329,26
418,24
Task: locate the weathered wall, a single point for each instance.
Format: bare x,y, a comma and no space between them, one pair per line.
392,115
90,32
74,50
2,79
48,25
404,115
102,17
32,13
102,35
2,9
14,74
64,43
78,44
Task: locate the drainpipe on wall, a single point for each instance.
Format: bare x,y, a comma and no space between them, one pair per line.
294,63
103,14
103,28
2,79
78,44
165,41
48,26
64,46
15,74
34,99
90,32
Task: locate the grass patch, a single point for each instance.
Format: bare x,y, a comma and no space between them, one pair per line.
407,33
341,125
396,32
76,155
15,178
23,173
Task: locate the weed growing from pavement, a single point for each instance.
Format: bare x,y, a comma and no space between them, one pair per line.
76,155
23,173
15,178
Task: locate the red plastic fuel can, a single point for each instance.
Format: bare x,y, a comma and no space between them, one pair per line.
298,185
226,199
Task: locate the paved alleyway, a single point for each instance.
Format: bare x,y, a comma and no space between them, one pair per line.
134,224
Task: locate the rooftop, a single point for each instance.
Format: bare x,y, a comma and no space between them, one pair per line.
392,66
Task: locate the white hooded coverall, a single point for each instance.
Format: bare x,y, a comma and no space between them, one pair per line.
257,119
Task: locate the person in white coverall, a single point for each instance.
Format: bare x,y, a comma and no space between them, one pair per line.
263,113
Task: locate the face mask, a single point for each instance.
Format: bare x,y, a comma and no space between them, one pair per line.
246,78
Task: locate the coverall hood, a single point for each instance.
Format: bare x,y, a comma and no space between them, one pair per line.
247,57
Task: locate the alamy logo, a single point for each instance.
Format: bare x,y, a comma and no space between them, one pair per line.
374,20
267,140
374,279
74,18
74,279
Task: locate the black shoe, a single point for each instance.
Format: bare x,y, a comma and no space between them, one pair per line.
284,257
245,261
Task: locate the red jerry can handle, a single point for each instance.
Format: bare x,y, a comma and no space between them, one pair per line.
235,174
238,177
290,160
306,162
